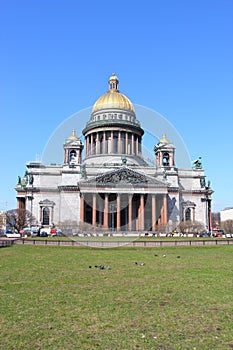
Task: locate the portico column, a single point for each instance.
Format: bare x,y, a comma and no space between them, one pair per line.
81,208
130,212
106,211
153,211
126,143
94,210
118,223
165,209
142,224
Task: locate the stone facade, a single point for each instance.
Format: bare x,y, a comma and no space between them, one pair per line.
113,187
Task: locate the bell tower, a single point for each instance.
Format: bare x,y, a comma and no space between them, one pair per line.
73,150
165,153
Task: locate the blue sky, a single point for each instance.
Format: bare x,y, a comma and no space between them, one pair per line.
174,57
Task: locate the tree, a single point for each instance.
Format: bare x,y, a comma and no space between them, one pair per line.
2,221
191,226
215,219
19,218
227,226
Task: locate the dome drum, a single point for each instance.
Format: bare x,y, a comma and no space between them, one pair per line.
92,127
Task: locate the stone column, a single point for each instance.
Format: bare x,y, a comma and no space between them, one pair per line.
126,142
65,156
97,143
87,145
136,146
81,208
106,211
91,144
40,214
142,216
94,209
165,209
130,212
52,214
133,144
153,211
112,142
104,142
118,223
119,143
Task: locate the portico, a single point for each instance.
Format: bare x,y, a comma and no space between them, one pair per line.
123,200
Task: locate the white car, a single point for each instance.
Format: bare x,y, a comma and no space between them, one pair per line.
13,235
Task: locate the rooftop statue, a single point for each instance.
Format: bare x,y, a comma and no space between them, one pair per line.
197,164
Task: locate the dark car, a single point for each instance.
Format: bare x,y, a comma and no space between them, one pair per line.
43,234
204,234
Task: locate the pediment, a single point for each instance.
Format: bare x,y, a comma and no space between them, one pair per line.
124,176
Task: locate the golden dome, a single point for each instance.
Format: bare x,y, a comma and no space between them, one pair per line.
113,98
164,139
73,136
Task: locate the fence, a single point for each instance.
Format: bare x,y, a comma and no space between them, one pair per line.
5,243
109,244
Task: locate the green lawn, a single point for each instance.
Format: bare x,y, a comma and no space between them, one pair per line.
52,299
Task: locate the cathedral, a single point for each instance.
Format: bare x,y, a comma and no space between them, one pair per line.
105,184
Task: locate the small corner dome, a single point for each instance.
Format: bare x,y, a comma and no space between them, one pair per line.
113,98
164,139
73,137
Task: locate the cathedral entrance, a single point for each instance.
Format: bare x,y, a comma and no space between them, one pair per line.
123,211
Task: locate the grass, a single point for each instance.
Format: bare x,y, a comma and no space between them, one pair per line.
52,299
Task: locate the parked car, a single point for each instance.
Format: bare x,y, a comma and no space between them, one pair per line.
204,234
218,233
53,232
43,234
59,233
12,235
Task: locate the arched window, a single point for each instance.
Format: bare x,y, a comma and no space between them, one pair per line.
165,159
72,155
45,217
188,214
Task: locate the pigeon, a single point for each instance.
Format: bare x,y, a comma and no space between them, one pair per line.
178,256
108,267
135,263
142,264
90,266
101,267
